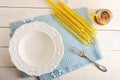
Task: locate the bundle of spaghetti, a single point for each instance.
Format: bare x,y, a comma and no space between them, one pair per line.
73,22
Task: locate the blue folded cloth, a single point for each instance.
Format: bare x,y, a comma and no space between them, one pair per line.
70,61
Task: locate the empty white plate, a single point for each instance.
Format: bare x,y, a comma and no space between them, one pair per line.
36,48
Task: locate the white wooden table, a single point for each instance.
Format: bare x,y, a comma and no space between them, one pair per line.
109,37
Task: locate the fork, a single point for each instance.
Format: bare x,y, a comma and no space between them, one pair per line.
82,54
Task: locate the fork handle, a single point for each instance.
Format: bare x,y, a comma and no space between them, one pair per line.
100,67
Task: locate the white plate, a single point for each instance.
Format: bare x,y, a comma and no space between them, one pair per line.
36,48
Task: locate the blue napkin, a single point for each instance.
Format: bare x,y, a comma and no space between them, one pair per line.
70,61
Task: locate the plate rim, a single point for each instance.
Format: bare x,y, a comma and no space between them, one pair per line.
41,26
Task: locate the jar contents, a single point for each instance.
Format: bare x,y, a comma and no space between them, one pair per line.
101,16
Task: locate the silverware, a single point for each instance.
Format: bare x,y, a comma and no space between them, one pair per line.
81,54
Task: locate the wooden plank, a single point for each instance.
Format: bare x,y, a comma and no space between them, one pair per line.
92,75
16,14
109,40
106,38
9,73
28,78
4,36
71,3
110,60
12,74
5,60
92,4
23,3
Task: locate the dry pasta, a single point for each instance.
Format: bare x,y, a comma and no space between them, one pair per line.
73,22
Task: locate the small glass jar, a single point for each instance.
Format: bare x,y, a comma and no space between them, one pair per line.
101,16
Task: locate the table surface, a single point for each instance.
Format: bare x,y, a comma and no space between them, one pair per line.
108,36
